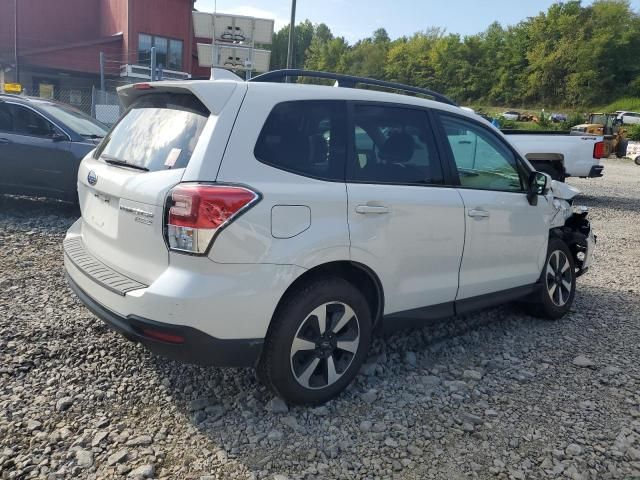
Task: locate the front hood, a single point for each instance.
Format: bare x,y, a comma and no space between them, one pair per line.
563,191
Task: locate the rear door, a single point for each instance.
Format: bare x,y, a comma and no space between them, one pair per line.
124,184
405,222
506,237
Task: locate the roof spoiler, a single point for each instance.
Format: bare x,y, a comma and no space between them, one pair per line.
223,74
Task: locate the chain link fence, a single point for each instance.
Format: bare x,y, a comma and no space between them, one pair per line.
104,106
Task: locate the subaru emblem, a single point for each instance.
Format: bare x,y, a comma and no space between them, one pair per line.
92,178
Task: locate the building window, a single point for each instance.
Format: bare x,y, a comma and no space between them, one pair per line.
145,42
161,45
168,51
175,55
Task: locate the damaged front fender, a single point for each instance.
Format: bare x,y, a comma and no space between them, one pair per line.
570,224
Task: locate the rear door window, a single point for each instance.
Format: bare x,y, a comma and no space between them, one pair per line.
393,145
305,137
158,132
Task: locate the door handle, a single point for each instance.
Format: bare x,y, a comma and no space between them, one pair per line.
465,142
369,209
4,141
478,213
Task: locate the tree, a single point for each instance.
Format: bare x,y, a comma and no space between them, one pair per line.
570,54
304,33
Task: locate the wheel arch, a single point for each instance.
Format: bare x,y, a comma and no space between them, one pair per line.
575,240
545,157
360,275
553,160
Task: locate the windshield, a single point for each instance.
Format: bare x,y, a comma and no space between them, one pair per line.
599,119
158,132
78,121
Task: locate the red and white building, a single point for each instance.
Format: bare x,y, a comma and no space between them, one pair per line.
56,44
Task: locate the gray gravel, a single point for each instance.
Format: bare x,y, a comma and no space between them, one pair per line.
498,394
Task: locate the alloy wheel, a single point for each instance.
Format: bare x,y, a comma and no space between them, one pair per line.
559,279
325,345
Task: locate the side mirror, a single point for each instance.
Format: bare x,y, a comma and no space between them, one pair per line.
58,137
538,182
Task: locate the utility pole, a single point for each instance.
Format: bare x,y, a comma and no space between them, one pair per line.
153,63
102,72
15,39
291,35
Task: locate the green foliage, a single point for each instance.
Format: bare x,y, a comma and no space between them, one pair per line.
545,121
304,33
572,55
630,104
508,124
573,120
633,133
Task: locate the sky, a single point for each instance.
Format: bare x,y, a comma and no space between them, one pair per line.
356,19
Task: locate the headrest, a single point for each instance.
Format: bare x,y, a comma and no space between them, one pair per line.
398,148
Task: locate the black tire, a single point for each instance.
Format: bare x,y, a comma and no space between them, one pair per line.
637,160
621,148
550,170
553,303
294,320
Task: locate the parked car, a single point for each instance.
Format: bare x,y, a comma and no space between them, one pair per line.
558,117
41,145
629,118
281,225
514,116
560,154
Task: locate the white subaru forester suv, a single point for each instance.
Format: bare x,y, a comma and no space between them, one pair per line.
281,225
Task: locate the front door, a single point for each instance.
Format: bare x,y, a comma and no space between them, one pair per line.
37,153
506,237
404,221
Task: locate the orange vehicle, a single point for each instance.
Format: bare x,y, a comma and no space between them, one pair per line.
607,125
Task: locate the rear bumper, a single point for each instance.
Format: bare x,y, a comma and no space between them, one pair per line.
596,171
189,345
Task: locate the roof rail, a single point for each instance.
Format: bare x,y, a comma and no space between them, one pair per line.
348,81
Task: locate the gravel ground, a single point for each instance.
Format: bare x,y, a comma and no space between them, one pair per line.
498,394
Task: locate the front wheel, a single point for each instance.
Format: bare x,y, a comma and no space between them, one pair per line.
317,343
557,282
637,160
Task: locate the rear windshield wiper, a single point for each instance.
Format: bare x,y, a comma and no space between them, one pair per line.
92,135
117,161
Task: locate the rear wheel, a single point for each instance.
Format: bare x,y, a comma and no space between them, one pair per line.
637,160
317,343
621,148
557,282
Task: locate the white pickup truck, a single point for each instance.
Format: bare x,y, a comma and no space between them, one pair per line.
559,154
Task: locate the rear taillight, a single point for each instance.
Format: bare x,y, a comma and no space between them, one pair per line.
600,150
197,212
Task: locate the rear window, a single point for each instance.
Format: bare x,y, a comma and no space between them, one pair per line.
305,137
158,132
78,121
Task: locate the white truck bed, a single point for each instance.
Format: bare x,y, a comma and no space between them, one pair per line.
569,155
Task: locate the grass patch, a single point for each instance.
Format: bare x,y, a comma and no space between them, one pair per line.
631,104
